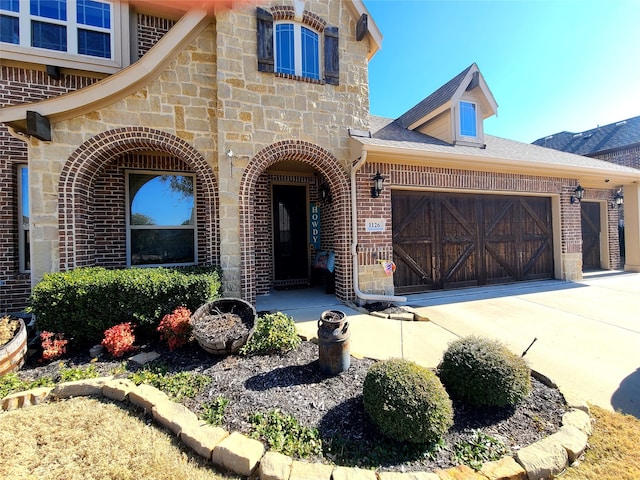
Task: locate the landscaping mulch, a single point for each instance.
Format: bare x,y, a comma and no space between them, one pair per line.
293,383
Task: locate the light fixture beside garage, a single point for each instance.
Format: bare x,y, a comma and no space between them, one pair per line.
618,199
377,185
578,194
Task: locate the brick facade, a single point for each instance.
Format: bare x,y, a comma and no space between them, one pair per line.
26,84
211,112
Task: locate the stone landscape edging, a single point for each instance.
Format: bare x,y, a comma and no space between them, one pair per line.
244,456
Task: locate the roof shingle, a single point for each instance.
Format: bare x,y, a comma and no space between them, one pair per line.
597,140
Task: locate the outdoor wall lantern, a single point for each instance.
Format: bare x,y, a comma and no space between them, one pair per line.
325,193
578,194
377,185
618,199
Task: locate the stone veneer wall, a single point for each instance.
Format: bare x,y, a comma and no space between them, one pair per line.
265,118
177,110
25,83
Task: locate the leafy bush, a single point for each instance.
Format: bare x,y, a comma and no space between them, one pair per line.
284,434
53,345
177,385
11,383
407,402
483,372
118,340
70,374
274,333
175,327
479,449
213,412
84,302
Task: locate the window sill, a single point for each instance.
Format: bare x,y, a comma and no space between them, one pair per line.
299,78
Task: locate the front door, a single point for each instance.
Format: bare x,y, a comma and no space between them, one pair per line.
290,242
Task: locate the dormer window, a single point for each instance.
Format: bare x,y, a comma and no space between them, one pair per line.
297,50
468,120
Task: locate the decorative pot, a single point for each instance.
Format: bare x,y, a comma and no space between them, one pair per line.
210,330
12,354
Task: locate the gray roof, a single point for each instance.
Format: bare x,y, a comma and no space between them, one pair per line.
435,100
619,135
387,132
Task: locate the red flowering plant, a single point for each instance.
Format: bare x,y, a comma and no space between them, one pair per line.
119,339
53,345
175,327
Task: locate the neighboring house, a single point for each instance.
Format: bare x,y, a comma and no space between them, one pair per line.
147,135
617,143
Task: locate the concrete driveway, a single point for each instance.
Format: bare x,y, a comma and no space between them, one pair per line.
588,333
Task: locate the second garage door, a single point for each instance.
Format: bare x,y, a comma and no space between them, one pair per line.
445,240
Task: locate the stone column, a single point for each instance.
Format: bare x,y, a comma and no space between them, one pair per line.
632,227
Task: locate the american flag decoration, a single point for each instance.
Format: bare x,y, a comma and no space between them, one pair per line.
389,266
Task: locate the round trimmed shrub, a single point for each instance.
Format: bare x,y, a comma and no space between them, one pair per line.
407,402
483,372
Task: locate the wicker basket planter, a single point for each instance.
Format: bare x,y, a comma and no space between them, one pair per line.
223,326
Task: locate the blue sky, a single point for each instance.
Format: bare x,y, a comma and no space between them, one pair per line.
551,65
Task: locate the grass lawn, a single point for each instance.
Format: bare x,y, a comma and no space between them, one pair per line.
614,452
86,438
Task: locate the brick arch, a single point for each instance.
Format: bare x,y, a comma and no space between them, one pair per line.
84,165
325,163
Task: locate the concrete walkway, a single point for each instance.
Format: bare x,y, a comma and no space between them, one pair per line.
588,332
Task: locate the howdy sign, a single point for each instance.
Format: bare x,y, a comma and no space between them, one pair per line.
314,225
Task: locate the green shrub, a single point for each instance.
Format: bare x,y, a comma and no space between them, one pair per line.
284,434
177,385
407,402
274,333
480,448
483,372
84,302
71,374
11,383
213,412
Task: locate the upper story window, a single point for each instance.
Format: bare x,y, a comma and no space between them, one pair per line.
161,226
297,48
468,119
43,31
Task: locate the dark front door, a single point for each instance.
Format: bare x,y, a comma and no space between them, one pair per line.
291,258
590,213
457,240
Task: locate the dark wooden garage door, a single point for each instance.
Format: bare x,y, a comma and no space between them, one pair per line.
459,240
590,213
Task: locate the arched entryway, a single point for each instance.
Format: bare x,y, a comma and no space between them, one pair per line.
85,173
275,171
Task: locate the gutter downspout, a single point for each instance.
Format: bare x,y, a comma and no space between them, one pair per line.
354,246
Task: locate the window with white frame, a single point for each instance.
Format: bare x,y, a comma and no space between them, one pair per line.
161,226
297,50
58,29
24,241
468,119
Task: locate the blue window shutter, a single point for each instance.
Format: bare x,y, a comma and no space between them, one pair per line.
265,40
331,56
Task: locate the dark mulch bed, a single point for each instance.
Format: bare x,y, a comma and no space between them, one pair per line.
294,384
